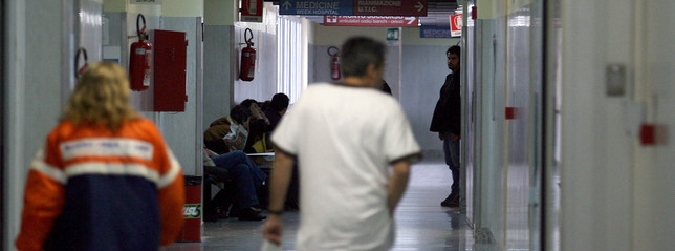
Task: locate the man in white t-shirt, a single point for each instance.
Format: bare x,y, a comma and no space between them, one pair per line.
345,137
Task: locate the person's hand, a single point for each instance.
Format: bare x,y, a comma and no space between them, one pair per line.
273,228
454,137
440,135
257,112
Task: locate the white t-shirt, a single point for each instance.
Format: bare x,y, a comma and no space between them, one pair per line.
345,137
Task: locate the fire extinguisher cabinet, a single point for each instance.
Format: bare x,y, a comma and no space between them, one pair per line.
192,210
170,70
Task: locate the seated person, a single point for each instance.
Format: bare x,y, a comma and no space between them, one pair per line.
258,126
226,137
245,175
276,109
230,132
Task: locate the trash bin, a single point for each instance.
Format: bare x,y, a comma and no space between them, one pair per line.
192,210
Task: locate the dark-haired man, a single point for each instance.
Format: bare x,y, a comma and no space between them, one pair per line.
447,121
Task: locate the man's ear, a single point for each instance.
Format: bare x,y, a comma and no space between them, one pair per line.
371,71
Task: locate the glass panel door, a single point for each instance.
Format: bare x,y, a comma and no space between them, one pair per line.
2,122
551,151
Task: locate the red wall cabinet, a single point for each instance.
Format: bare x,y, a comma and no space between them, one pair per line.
170,70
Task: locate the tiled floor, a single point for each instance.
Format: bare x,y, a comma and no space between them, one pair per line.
421,223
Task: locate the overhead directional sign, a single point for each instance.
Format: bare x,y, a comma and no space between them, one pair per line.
370,21
433,31
416,8
316,7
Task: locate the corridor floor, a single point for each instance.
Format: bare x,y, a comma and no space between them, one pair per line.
421,223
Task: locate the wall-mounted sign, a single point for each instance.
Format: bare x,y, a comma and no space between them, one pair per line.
404,8
370,21
145,1
416,8
393,36
433,31
456,25
316,7
251,11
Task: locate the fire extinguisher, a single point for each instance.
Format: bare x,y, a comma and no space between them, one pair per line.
335,71
140,64
248,54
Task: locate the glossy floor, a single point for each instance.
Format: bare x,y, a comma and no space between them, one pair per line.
421,223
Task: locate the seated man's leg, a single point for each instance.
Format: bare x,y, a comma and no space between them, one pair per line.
246,196
237,157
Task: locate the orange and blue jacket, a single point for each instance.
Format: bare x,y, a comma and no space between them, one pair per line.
91,188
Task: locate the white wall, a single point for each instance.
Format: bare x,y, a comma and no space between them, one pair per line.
654,181
597,153
33,95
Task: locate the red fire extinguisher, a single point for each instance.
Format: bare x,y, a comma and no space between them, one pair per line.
140,62
335,71
248,54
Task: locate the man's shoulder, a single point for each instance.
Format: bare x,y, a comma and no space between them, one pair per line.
221,121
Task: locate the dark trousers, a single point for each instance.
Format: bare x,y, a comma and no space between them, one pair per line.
451,152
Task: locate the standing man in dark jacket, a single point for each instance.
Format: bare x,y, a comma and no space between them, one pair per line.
447,122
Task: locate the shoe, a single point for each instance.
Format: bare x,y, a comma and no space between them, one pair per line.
451,201
251,214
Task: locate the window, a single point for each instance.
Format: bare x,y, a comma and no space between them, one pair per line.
291,72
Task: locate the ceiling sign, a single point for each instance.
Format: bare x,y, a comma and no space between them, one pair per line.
370,21
316,7
416,8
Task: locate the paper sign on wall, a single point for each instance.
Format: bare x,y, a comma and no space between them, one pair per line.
456,25
251,11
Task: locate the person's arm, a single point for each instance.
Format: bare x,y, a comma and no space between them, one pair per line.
279,180
44,197
43,203
171,198
398,183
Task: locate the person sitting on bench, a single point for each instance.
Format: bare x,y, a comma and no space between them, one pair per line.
225,138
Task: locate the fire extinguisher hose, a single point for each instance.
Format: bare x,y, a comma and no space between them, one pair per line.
140,32
249,41
333,55
79,70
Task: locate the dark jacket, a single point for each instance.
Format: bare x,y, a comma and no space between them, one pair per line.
448,111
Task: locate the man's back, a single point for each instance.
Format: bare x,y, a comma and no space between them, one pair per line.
344,138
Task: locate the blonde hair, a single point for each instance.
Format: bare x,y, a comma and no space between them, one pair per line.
101,96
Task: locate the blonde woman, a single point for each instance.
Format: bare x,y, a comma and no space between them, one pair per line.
105,178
